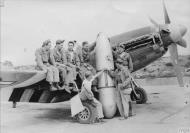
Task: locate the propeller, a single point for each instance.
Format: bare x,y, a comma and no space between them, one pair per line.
166,16
154,22
175,32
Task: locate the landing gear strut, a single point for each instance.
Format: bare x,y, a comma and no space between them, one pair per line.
138,94
14,104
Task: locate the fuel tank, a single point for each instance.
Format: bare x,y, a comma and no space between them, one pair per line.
104,59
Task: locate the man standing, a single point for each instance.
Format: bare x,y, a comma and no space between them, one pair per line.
123,65
46,62
124,58
60,60
120,76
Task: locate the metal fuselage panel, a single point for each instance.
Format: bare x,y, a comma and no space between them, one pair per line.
144,56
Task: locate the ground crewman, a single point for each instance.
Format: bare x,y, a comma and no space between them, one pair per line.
124,58
122,81
85,64
86,93
73,63
45,61
60,59
78,50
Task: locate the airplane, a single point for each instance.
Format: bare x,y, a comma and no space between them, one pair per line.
144,45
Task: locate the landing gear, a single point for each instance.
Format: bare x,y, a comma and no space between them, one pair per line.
89,114
14,104
141,95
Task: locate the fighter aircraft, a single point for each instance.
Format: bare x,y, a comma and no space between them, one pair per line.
145,45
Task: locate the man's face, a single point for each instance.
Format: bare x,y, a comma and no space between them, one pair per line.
48,46
60,46
85,47
70,46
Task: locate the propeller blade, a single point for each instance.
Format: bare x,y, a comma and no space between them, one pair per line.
153,22
166,16
182,43
174,58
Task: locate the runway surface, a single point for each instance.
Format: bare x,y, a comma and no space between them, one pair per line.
167,111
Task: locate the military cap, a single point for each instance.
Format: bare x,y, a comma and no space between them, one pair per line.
85,42
46,42
71,42
59,41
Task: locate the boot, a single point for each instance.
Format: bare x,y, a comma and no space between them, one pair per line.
74,89
67,89
57,86
63,87
52,87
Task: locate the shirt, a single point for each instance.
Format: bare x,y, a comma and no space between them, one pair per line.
87,85
72,58
86,56
59,56
44,57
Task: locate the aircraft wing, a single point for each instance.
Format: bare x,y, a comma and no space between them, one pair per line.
18,79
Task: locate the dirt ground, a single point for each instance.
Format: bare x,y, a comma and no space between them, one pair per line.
167,111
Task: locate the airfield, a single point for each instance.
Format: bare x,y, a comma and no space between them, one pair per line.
167,111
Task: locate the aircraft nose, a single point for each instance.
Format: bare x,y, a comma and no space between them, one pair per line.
182,30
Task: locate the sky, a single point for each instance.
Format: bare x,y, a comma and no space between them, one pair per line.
25,24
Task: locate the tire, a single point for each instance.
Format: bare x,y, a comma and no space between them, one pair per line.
142,93
88,115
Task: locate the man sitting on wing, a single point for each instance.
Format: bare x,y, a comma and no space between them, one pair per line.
85,61
45,61
73,63
60,59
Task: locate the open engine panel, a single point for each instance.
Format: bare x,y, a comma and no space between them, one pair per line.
142,41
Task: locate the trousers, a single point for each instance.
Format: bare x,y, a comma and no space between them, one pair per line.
83,97
122,101
99,108
63,73
52,73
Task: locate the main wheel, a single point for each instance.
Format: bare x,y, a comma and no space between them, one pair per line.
142,95
88,115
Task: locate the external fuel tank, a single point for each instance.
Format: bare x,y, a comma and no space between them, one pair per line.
104,59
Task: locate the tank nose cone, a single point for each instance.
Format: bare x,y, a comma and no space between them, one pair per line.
182,30
102,38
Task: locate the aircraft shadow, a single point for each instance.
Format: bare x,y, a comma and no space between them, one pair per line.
56,114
